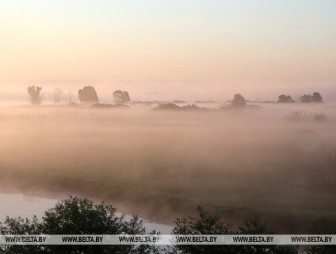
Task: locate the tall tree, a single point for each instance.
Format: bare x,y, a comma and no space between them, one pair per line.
88,94
121,96
35,94
317,97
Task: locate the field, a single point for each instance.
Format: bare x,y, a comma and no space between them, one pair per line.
265,162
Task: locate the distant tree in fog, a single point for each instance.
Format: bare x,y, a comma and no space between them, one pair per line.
121,96
285,99
35,94
238,101
88,94
317,97
70,97
58,96
307,98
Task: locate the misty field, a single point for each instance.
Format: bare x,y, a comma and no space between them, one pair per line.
268,162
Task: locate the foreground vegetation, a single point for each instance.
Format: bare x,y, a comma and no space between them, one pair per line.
83,216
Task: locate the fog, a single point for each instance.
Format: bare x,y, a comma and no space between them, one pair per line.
259,161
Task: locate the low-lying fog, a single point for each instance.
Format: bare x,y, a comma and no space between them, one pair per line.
267,161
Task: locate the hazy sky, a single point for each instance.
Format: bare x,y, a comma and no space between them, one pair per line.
205,48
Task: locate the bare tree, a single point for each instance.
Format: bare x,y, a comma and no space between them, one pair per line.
70,97
58,96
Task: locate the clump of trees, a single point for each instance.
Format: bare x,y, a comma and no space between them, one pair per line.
88,94
173,106
76,216
121,97
307,98
167,106
205,223
238,101
35,94
285,99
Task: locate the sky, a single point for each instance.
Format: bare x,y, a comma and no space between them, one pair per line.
183,49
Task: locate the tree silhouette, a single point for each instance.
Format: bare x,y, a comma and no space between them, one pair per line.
35,94
317,97
255,226
121,97
307,98
88,94
205,223
76,216
285,99
58,96
69,97
238,101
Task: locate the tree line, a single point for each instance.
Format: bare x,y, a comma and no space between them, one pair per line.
88,94
306,98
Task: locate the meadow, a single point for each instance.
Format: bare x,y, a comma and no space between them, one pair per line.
267,162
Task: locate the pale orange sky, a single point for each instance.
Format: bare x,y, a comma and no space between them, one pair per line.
205,48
